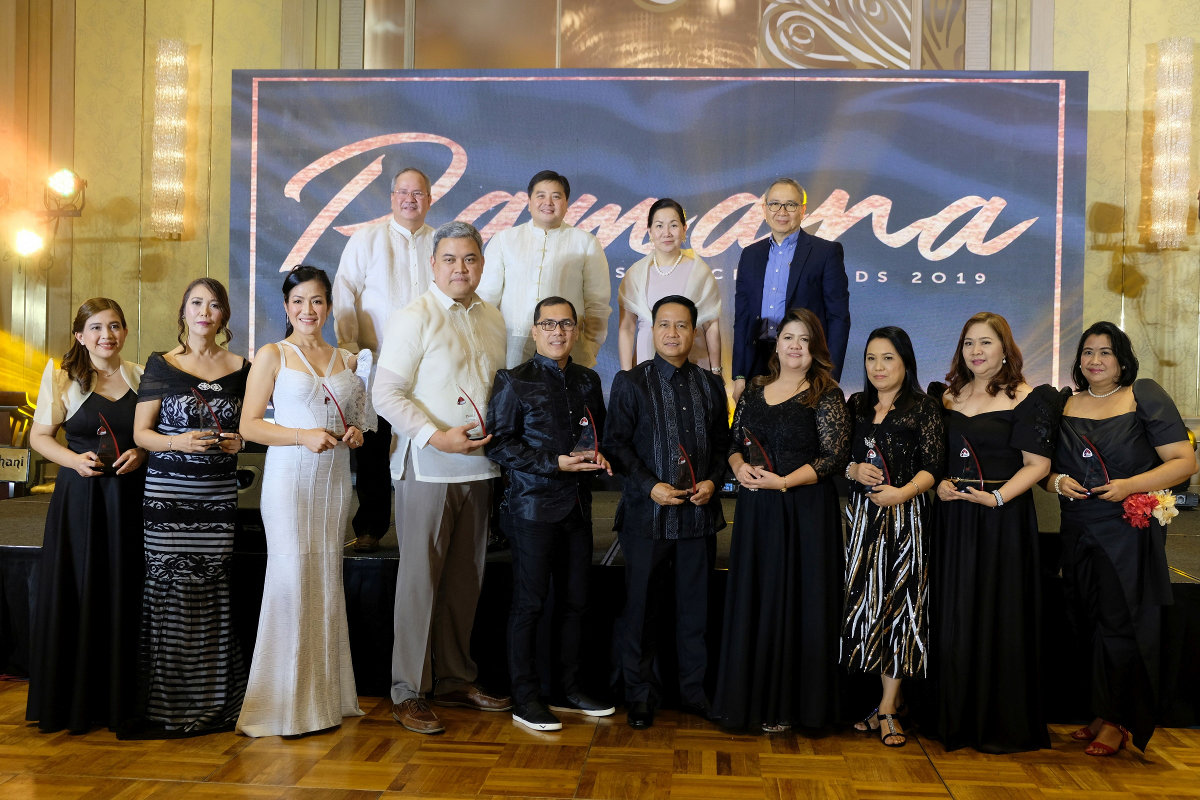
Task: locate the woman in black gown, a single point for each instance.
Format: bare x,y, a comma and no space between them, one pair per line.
986,575
83,652
783,598
193,675
897,452
1119,436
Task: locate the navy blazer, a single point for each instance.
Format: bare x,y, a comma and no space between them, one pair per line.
816,281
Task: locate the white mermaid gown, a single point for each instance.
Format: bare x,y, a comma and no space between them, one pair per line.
301,677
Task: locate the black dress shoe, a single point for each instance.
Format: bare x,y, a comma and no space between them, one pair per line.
640,716
702,709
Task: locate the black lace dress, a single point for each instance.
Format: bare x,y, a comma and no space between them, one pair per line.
83,647
986,584
193,671
1115,576
779,641
885,624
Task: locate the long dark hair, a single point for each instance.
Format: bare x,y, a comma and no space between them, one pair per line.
302,273
222,298
1008,378
820,373
1122,348
78,362
910,389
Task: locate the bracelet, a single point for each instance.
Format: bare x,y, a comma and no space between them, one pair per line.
999,497
848,466
297,436
171,442
242,442
715,370
916,486
784,489
1058,481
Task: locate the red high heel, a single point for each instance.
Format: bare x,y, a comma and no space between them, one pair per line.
1084,734
1101,749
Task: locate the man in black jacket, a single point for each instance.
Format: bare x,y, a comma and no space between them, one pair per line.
545,417
668,436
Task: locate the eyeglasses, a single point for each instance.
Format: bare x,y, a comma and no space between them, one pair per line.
550,324
417,195
790,206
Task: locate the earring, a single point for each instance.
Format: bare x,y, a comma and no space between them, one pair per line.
1004,361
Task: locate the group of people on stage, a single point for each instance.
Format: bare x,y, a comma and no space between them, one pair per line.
457,365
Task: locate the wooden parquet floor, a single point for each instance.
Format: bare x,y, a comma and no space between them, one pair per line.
487,756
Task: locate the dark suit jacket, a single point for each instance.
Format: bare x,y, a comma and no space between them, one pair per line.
817,281
534,417
629,445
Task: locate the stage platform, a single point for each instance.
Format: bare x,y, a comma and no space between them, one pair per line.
370,581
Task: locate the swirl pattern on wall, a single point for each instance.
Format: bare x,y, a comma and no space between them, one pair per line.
837,34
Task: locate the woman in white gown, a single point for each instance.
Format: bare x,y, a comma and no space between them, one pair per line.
301,678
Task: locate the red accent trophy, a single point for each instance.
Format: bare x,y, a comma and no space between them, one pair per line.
587,446
756,454
685,476
331,421
107,450
471,416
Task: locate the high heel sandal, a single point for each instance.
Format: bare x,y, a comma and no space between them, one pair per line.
866,722
1102,749
892,731
1084,734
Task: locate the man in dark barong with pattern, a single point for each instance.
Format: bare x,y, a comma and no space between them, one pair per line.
667,435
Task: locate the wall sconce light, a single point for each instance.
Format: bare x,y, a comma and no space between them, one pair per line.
168,161
65,194
26,243
1170,199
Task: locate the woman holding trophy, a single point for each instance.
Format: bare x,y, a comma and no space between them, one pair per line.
791,435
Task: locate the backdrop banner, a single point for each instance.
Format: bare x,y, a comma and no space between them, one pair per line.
951,192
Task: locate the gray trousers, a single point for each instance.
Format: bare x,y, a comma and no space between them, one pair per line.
442,529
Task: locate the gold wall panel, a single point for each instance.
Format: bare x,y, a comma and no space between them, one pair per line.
943,34
666,34
456,34
837,34
384,27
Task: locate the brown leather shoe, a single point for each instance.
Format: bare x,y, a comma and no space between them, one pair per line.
416,715
474,696
366,543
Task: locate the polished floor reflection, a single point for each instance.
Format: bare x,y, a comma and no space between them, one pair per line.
487,756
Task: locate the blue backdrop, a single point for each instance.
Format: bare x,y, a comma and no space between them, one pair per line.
952,192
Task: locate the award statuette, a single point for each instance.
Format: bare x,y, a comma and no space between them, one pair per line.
875,458
107,450
756,454
215,438
331,422
587,446
471,416
1095,471
970,474
685,476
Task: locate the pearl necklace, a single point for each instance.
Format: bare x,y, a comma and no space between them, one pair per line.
1106,394
660,271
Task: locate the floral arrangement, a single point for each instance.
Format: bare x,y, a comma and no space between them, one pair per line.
1139,507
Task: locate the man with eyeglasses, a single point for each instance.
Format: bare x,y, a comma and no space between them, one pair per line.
545,257
384,267
545,417
788,269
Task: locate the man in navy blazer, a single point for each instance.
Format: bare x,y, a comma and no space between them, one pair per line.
788,269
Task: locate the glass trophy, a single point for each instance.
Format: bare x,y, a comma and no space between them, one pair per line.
970,474
1095,472
471,416
685,476
756,454
214,432
107,450
586,446
875,458
335,420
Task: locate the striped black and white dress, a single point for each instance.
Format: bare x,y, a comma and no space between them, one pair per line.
193,672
